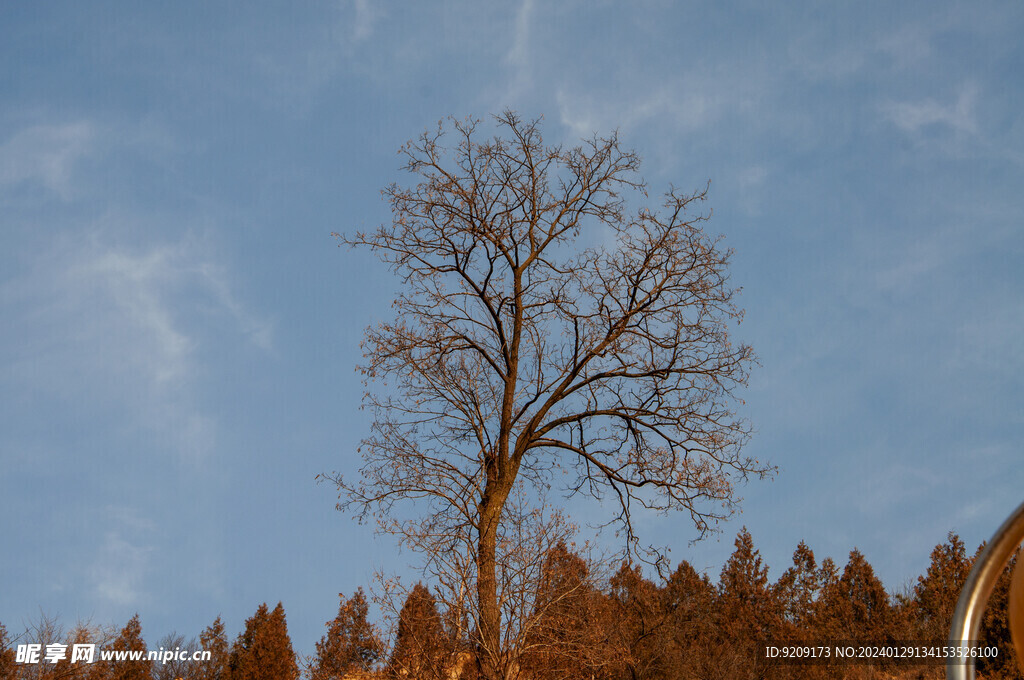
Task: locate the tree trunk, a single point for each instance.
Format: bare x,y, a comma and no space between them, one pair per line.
490,658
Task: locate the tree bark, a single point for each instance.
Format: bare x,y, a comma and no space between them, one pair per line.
490,658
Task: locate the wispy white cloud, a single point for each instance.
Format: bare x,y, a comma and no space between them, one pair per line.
989,340
518,57
215,278
907,45
683,108
133,287
750,182
958,115
365,17
124,325
297,68
918,259
122,561
45,154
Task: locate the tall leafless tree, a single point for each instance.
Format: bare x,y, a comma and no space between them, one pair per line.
544,334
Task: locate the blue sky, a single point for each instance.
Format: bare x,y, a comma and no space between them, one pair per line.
180,330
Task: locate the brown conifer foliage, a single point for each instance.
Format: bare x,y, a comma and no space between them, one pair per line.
799,596
214,640
566,631
797,590
937,591
747,612
83,634
351,643
747,604
128,640
856,607
7,655
828,574
640,633
691,606
263,651
423,650
689,599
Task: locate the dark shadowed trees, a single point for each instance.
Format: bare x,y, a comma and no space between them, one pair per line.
544,333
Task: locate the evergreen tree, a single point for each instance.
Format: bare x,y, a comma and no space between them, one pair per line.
747,611
82,634
690,603
937,591
7,656
214,640
422,648
128,640
640,625
689,598
797,590
799,596
351,643
828,575
561,641
98,670
748,605
263,651
856,607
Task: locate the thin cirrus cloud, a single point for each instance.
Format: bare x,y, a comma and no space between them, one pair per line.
914,116
679,106
365,15
518,58
108,329
122,560
46,154
122,321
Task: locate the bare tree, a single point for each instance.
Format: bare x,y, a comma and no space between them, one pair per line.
544,335
529,532
175,669
47,630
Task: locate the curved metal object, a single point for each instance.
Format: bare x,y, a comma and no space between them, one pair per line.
981,580
1016,606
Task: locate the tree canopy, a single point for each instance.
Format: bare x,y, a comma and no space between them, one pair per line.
547,331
